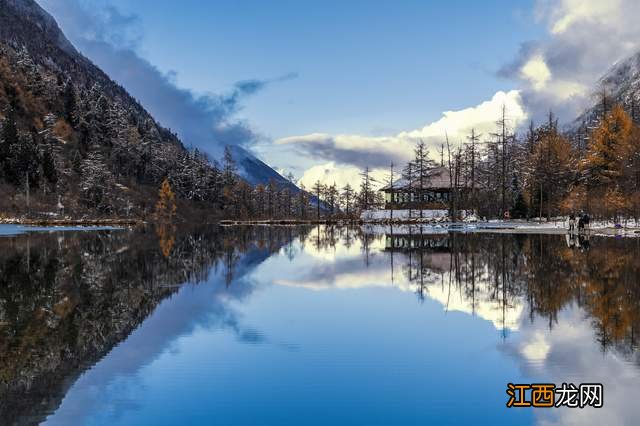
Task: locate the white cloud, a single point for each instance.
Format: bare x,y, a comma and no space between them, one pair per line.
536,72
330,173
569,353
585,38
482,117
561,16
347,154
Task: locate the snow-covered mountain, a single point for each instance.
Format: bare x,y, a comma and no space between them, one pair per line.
621,84
256,171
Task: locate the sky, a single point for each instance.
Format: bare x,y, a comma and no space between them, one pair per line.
322,89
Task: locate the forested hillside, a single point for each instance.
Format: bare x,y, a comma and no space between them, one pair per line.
73,141
70,131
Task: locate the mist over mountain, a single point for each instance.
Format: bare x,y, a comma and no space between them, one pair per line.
70,131
619,85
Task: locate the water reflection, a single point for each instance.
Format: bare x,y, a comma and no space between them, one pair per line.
87,320
67,299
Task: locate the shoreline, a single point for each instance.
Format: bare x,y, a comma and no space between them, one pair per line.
509,227
502,227
71,222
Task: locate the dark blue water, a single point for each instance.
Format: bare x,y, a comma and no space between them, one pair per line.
340,328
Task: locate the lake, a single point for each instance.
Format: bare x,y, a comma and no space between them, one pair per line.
313,326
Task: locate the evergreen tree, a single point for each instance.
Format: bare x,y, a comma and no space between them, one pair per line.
97,184
49,169
347,198
422,165
23,162
318,189
366,190
9,138
408,176
70,105
229,168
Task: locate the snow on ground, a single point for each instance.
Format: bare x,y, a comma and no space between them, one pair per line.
382,215
436,221
11,230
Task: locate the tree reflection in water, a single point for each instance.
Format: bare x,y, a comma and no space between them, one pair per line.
600,276
66,299
545,272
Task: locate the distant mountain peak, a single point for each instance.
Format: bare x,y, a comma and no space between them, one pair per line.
30,11
255,171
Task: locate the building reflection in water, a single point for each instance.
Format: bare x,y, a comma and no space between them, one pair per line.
67,299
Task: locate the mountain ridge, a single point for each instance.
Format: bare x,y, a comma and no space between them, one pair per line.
620,84
255,171
81,138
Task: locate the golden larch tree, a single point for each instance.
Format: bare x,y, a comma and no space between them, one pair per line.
166,206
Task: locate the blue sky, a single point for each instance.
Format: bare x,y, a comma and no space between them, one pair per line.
323,89
367,67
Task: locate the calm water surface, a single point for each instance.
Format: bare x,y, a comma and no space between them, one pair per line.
312,326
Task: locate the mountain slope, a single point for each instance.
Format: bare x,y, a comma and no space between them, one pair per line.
621,84
255,171
75,137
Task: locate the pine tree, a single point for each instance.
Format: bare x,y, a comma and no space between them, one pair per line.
229,168
366,197
472,154
347,198
49,169
23,162
318,189
331,198
97,184
409,176
302,202
390,184
9,138
70,105
422,165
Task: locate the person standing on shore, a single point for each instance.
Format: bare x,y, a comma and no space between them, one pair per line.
572,222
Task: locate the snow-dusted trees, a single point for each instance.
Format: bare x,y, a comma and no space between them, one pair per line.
347,198
331,199
421,165
97,185
19,156
366,197
49,167
318,191
302,203
408,176
471,160
389,183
